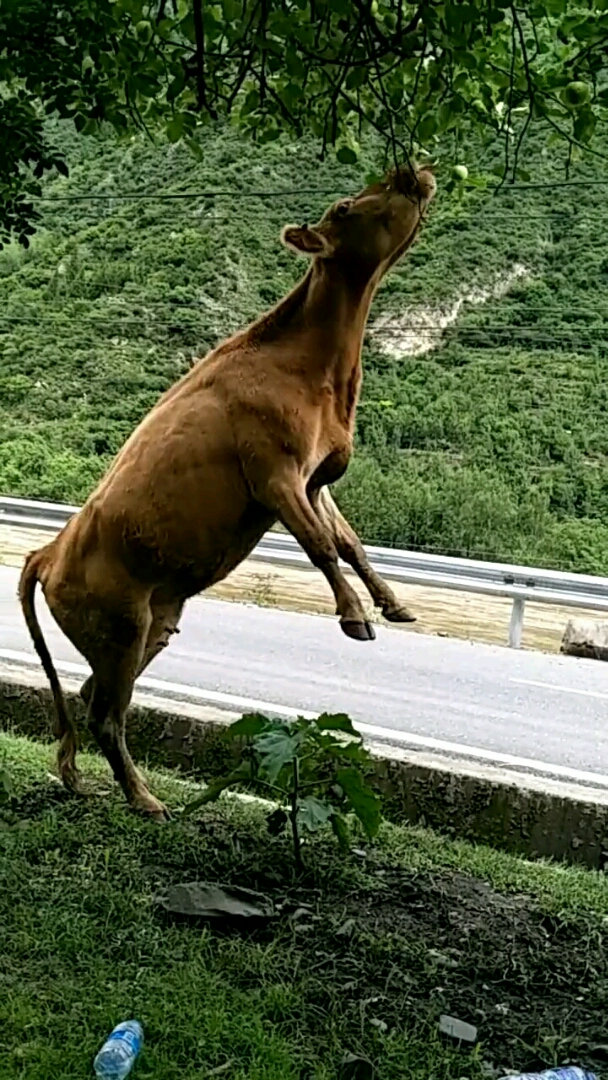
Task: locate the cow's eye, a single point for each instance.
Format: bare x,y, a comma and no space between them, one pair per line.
342,209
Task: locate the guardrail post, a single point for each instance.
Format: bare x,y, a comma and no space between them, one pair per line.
517,622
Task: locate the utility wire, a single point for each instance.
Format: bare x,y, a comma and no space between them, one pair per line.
394,330
281,192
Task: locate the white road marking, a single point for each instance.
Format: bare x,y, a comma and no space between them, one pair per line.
160,686
561,689
491,756
179,691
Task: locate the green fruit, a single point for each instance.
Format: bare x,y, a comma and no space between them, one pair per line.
576,93
460,172
143,30
347,156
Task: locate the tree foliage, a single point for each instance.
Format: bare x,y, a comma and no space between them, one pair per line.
410,71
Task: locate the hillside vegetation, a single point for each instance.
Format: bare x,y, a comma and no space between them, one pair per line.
488,437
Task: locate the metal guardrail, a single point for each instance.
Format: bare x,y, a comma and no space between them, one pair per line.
517,583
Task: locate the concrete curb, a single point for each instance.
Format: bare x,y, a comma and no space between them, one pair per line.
516,812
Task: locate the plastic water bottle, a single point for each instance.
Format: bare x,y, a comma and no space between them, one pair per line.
568,1072
117,1055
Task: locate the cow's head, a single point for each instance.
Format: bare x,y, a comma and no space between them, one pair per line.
370,231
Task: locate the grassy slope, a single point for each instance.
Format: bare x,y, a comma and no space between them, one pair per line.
494,444
419,927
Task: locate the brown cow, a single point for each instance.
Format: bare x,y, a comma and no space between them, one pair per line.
250,436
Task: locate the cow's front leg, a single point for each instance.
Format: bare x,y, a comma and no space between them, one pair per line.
287,497
350,548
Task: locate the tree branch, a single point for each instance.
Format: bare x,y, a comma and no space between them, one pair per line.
199,33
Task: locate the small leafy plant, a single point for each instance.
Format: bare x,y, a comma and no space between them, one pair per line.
315,769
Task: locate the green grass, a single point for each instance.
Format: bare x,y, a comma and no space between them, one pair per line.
415,927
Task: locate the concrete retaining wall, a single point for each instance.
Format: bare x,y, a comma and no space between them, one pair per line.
513,811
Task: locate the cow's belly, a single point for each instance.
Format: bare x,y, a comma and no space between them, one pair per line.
193,540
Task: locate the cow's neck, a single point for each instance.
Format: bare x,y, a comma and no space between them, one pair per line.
333,323
336,307
320,324
316,332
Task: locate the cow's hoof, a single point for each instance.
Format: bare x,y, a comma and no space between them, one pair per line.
358,631
152,809
71,778
398,614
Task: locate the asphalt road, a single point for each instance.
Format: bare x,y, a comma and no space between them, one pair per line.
492,702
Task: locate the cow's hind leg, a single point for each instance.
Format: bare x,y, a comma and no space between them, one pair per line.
351,549
166,613
114,672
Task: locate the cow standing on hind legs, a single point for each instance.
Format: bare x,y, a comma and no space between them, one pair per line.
250,436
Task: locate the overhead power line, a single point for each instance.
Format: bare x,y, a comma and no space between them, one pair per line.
162,195
387,329
476,336
283,192
121,296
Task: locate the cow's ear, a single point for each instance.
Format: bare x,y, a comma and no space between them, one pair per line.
306,241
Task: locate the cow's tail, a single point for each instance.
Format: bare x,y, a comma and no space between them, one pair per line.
64,728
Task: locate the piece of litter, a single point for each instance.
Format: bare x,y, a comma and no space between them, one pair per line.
381,1025
200,899
457,1029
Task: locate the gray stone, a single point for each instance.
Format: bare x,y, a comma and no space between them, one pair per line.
586,637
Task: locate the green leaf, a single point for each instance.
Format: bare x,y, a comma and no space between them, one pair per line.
313,813
269,135
291,93
187,27
427,127
175,128
356,77
584,125
352,751
364,802
445,116
175,87
341,832
294,65
196,148
250,725
276,749
232,10
336,722
251,102
346,156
